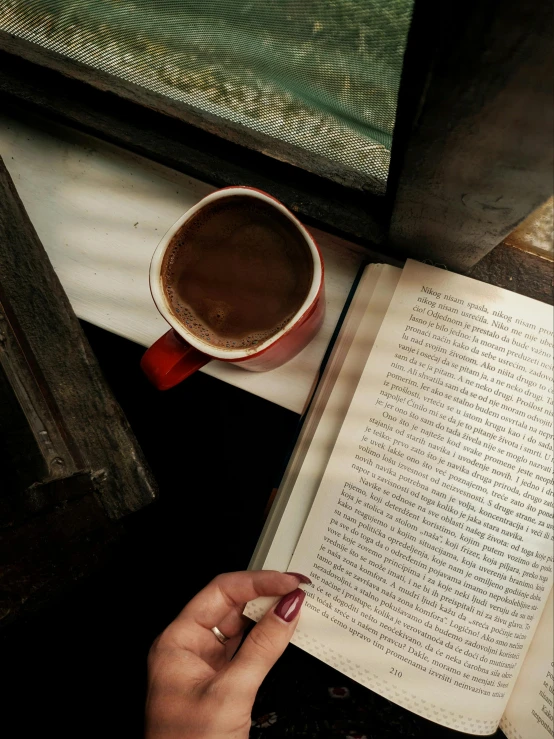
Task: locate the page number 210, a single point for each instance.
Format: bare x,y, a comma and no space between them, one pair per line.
395,672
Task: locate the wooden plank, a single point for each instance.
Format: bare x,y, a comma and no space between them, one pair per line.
52,371
473,149
523,271
70,466
21,460
37,440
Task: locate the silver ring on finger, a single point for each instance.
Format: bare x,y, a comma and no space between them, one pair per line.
220,636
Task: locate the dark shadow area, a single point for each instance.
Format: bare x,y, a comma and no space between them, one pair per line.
78,667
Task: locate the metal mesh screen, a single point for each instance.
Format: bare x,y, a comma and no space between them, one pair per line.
320,74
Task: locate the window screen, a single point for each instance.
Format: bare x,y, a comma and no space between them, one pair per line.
321,75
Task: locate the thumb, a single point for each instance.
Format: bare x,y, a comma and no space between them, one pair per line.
266,642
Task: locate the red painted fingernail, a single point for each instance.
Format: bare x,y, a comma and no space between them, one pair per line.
289,605
302,578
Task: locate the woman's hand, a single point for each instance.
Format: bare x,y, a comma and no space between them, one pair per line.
198,688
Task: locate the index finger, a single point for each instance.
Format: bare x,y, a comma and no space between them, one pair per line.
231,591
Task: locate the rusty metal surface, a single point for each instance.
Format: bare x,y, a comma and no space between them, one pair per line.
536,232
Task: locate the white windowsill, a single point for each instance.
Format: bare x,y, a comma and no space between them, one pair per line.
100,212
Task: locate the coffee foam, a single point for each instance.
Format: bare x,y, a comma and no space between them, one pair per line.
253,247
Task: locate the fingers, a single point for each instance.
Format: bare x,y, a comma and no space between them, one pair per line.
265,643
229,592
221,604
234,623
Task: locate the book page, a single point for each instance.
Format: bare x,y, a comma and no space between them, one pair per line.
271,535
324,419
430,540
530,711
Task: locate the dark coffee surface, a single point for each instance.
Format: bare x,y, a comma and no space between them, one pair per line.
237,272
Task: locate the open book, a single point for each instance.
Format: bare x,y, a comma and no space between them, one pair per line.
419,500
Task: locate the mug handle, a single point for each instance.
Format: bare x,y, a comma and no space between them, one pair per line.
170,360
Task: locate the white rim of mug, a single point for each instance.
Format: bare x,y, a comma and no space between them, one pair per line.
161,301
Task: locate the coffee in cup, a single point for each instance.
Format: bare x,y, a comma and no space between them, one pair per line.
237,272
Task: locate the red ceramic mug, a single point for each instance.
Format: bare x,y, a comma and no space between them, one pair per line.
179,353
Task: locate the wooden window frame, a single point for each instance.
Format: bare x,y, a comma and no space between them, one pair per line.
472,152
71,469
